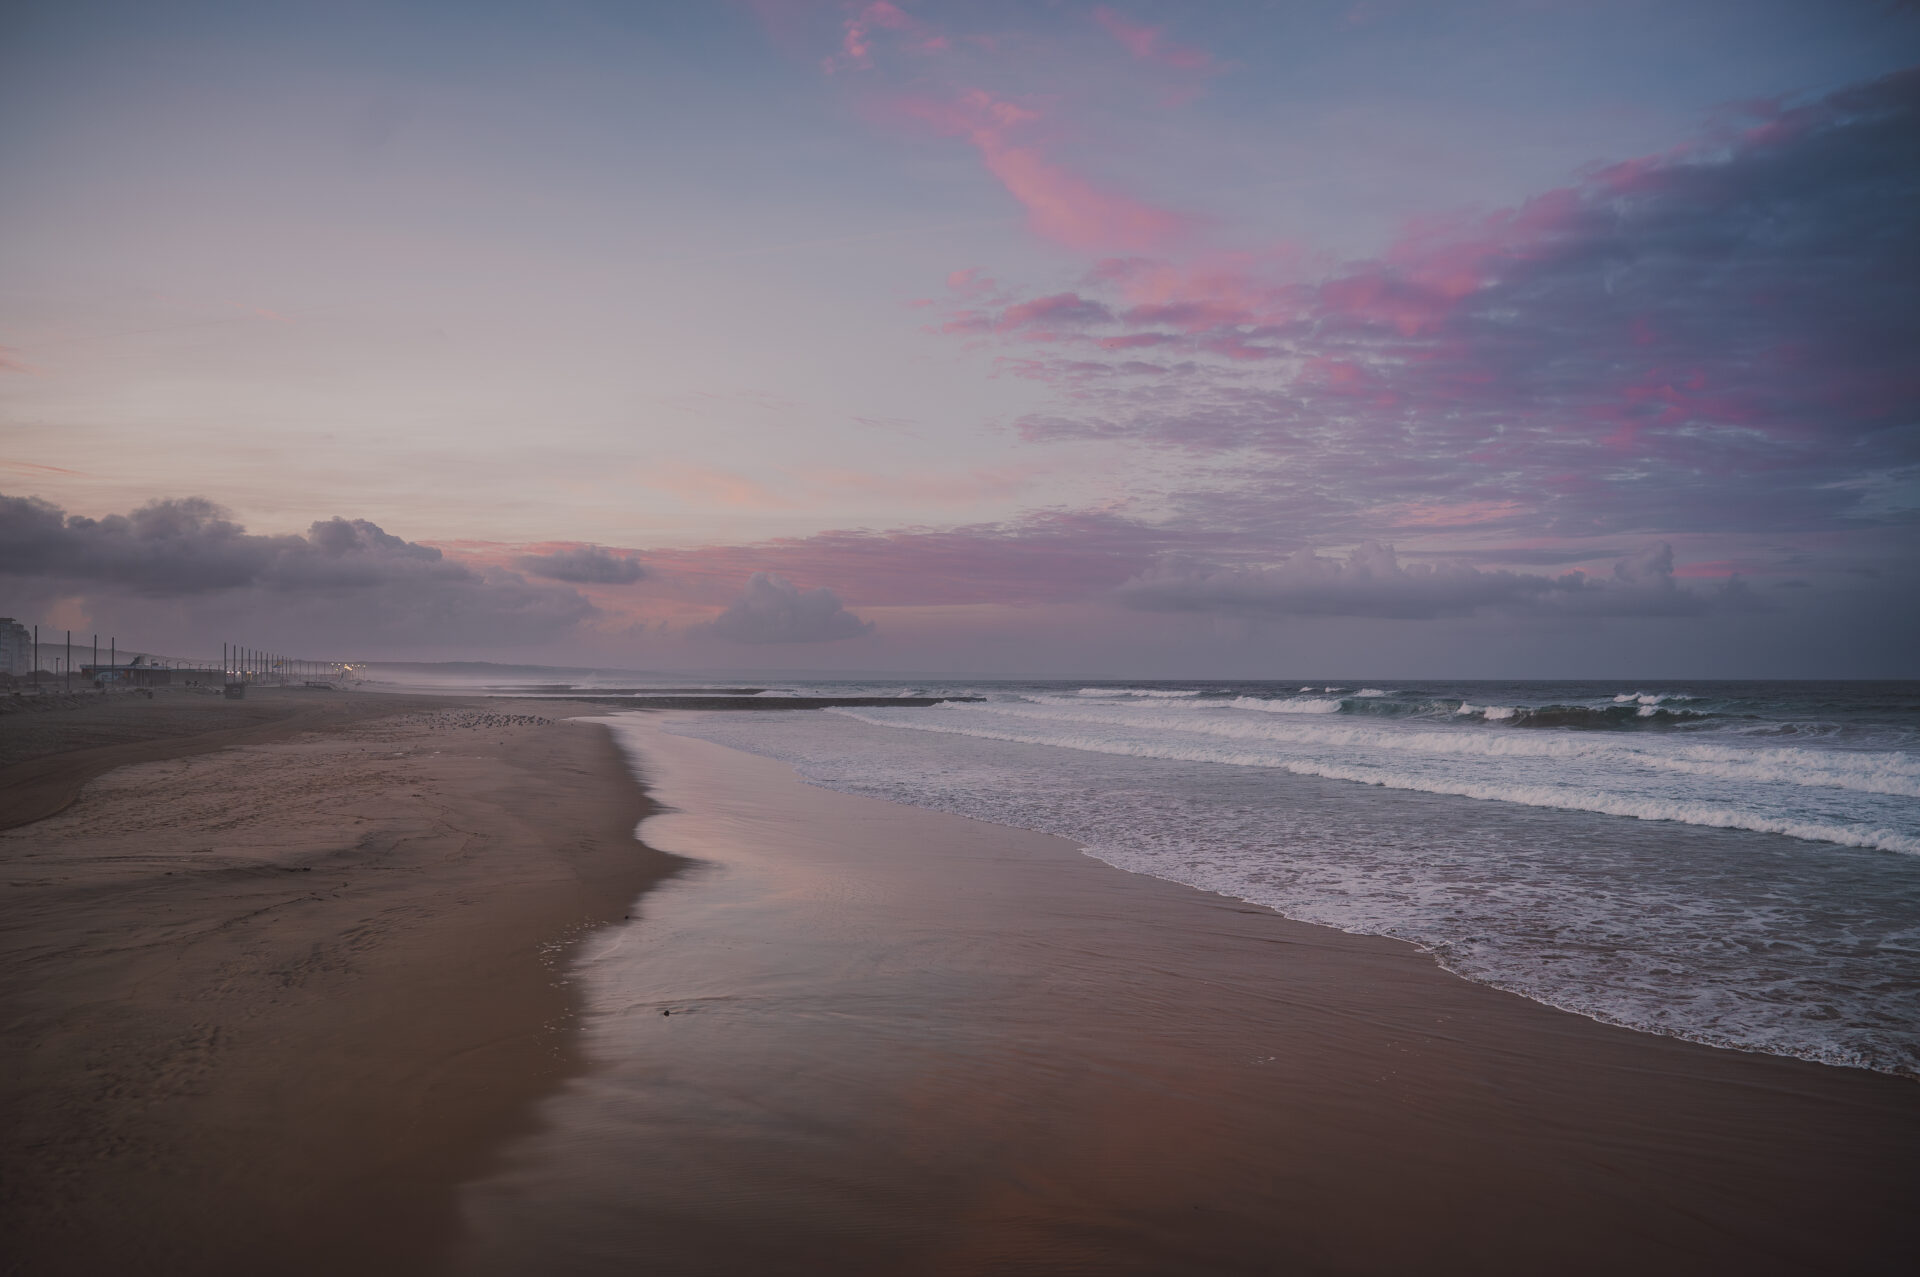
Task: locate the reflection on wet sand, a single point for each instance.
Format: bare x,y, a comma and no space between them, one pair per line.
865,1038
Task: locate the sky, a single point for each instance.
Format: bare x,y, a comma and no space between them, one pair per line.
1365,338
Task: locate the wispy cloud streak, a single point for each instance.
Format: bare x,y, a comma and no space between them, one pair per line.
1062,205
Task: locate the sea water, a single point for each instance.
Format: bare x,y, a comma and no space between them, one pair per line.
1737,864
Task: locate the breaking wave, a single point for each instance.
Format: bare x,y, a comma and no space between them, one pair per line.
1143,693
1787,790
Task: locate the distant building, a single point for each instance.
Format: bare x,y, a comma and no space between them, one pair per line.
16,647
139,673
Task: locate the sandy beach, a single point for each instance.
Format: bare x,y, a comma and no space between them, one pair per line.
902,1041
288,969
907,638
385,984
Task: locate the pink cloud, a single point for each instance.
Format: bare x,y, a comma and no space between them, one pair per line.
942,487
1044,559
1061,205
34,470
1135,341
1066,208
1715,330
1209,290
1711,570
973,283
1340,376
1232,345
1230,305
1069,309
1192,316
1456,514
858,32
704,485
1427,328
1149,44
1191,66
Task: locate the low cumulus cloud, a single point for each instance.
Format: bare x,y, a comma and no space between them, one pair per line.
583,565
1372,582
773,609
345,580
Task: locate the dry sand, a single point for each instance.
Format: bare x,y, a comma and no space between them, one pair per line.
282,977
904,1042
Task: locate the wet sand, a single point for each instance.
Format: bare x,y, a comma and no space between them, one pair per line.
287,970
903,1042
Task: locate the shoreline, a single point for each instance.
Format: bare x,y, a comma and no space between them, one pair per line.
333,997
903,1040
1719,935
273,990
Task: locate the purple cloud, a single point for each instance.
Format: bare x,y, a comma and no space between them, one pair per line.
1046,558
1716,339
583,565
1371,581
346,580
772,609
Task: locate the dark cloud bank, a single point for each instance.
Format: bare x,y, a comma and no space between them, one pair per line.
350,581
345,580
584,565
355,588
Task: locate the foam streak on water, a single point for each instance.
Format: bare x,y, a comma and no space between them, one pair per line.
1756,789
1739,867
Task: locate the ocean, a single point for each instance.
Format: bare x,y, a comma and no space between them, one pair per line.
1737,864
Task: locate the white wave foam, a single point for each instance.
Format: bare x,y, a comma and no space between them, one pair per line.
1307,723
1370,691
1256,744
1144,693
1294,705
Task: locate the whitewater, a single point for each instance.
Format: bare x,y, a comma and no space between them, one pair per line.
1734,864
